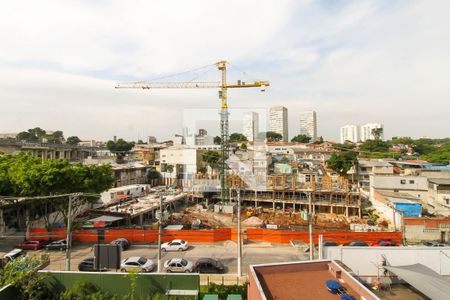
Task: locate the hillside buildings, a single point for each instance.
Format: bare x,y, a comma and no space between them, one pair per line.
349,133
308,124
278,121
250,125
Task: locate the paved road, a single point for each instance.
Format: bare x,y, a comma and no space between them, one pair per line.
254,253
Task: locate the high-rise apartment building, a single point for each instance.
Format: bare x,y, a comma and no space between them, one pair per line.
350,133
308,124
250,125
278,121
366,132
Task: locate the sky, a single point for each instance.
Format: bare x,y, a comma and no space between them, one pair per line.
353,62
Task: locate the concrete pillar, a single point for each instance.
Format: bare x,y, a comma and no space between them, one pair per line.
346,211
141,219
293,205
283,206
331,208
273,205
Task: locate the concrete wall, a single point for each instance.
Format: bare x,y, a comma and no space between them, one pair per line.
418,233
364,261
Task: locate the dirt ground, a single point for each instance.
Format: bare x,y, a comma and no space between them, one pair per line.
288,220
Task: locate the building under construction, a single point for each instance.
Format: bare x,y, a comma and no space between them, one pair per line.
285,192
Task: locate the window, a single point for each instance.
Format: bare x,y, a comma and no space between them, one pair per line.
411,182
403,181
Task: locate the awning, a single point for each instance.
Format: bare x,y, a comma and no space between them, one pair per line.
423,279
105,219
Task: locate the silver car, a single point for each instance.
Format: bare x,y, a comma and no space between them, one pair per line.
179,265
137,263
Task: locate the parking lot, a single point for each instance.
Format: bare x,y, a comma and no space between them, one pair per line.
226,252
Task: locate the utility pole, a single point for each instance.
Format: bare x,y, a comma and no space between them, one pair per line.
69,233
239,242
160,231
311,241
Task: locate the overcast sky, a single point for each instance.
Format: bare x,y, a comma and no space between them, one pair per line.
350,61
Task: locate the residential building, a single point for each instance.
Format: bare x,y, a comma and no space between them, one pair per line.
151,140
396,265
367,167
418,230
349,133
185,160
434,193
308,124
367,131
200,139
47,150
278,121
250,125
129,173
303,280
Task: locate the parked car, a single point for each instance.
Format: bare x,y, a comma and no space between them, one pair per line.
31,245
140,263
179,265
330,244
357,244
87,265
13,254
57,245
434,244
384,243
175,245
123,243
209,265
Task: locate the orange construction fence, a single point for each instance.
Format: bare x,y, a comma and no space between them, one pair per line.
342,237
211,235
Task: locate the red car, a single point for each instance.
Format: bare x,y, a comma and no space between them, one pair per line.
31,245
384,243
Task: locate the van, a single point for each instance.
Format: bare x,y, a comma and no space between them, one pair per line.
13,254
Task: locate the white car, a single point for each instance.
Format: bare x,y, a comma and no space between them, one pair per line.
179,265
175,245
139,263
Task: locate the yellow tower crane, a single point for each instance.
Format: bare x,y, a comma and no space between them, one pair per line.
223,85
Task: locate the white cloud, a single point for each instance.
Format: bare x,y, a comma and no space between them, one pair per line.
359,62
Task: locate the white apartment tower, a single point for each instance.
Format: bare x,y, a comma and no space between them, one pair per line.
250,124
278,121
308,124
350,133
367,131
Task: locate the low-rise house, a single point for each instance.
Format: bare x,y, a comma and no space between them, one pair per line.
418,230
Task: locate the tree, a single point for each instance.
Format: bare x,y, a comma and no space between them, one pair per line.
377,133
22,273
212,158
23,175
31,135
73,140
217,140
301,138
271,136
320,141
342,162
375,146
119,148
153,174
237,137
168,168
56,137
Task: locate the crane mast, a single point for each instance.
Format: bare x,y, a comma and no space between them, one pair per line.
224,123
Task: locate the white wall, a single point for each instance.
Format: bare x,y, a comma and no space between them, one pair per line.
364,260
